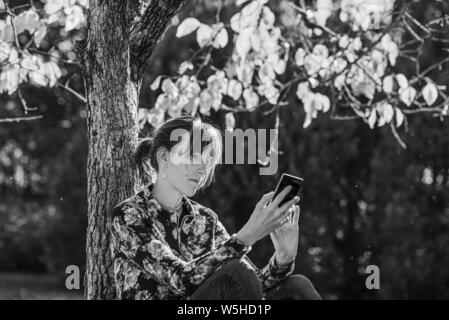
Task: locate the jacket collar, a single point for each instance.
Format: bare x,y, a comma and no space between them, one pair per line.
147,194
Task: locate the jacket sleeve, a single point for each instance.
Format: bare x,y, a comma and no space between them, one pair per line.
139,240
271,274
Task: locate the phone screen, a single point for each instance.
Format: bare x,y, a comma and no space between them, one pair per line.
289,180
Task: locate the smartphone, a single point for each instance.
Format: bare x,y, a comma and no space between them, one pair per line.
289,180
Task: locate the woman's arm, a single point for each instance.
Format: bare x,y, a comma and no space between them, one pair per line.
271,274
141,242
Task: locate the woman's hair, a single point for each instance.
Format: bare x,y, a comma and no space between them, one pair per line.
146,149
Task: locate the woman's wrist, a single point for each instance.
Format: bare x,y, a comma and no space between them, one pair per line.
283,260
243,239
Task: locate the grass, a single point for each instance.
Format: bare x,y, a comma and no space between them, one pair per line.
25,286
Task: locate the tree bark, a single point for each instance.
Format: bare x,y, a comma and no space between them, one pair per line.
112,128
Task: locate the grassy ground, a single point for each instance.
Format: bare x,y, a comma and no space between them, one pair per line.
35,287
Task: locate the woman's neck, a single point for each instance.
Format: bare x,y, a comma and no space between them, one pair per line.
165,194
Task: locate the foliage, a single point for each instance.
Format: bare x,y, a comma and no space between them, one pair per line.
341,57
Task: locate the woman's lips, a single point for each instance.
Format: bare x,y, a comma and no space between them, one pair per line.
194,180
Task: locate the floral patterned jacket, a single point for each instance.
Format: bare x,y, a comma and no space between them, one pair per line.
159,254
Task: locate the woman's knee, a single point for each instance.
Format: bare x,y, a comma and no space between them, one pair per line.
302,286
240,269
244,277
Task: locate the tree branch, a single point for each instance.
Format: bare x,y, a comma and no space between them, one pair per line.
148,30
18,119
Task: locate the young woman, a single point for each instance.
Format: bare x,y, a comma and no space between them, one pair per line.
166,246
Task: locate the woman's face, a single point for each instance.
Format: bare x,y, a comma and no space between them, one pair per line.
186,173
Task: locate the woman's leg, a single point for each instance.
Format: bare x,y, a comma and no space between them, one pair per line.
235,280
294,287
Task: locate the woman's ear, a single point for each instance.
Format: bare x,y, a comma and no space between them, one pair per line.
162,158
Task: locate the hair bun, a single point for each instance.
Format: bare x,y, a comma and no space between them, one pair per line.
143,148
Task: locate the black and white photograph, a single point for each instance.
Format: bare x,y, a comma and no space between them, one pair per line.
224,150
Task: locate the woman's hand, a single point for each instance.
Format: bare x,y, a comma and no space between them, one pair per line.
285,238
266,217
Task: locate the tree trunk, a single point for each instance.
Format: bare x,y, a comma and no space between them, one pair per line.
112,81
111,128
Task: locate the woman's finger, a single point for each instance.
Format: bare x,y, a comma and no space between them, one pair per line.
288,204
297,211
278,199
284,220
265,199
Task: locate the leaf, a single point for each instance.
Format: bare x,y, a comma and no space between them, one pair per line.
230,121
372,118
402,81
169,87
303,90
204,35
37,78
307,121
387,112
391,48
343,42
299,57
216,102
340,81
183,67
357,44
240,2
234,89
388,84
74,19
271,93
206,100
162,102
6,32
430,93
155,116
192,106
28,62
268,17
9,80
321,50
221,39
407,95
53,6
245,72
186,27
142,117
251,99
52,71
5,50
156,83
256,42
323,102
236,22
40,34
13,56
313,82
324,11
243,43
27,20
280,66
399,117
218,83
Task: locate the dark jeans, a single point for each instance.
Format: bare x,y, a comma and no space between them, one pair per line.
237,280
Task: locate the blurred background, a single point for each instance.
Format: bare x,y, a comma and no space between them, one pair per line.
365,199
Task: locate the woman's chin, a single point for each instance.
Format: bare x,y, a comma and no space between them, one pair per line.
189,192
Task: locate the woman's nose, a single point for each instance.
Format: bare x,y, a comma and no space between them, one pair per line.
201,171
